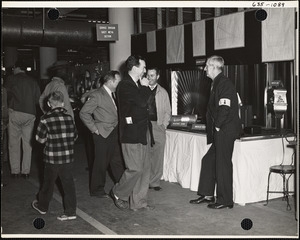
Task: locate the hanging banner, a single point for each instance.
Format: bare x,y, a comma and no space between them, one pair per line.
151,41
199,46
175,44
278,35
229,31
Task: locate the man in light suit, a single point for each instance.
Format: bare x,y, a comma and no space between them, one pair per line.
99,114
159,115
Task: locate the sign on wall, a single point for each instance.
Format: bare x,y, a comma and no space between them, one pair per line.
107,32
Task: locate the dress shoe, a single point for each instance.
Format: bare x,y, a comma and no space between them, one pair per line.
219,206
203,199
121,204
156,188
26,176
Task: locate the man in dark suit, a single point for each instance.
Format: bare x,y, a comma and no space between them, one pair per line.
133,93
99,114
223,128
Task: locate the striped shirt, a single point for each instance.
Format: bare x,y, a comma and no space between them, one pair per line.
58,131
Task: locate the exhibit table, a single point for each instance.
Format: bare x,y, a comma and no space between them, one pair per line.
252,157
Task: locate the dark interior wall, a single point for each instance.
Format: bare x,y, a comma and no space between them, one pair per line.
250,54
244,65
139,45
158,58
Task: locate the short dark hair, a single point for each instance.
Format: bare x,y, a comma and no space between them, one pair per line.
20,64
133,60
110,75
154,68
56,97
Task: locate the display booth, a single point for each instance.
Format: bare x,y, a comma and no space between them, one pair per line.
252,157
258,55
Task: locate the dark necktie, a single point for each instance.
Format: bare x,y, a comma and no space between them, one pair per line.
152,142
138,83
114,98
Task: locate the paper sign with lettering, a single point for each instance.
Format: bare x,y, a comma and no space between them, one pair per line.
280,101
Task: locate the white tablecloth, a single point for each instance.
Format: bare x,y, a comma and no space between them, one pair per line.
251,162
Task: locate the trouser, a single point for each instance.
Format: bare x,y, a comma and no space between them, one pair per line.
20,127
4,151
107,152
65,173
216,168
4,144
157,154
89,149
134,182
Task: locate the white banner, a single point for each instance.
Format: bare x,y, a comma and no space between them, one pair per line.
151,41
229,31
175,44
278,35
199,46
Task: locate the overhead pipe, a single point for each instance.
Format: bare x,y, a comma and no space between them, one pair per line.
43,32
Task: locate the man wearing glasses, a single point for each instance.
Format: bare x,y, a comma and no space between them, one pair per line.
223,127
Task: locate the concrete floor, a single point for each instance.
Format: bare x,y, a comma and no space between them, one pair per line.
172,216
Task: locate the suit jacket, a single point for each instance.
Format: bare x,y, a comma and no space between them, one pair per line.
99,112
163,106
222,109
133,111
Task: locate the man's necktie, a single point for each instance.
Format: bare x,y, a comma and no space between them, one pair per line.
138,83
152,142
114,98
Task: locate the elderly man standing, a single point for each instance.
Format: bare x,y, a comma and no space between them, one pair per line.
223,128
133,93
159,115
23,95
99,114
